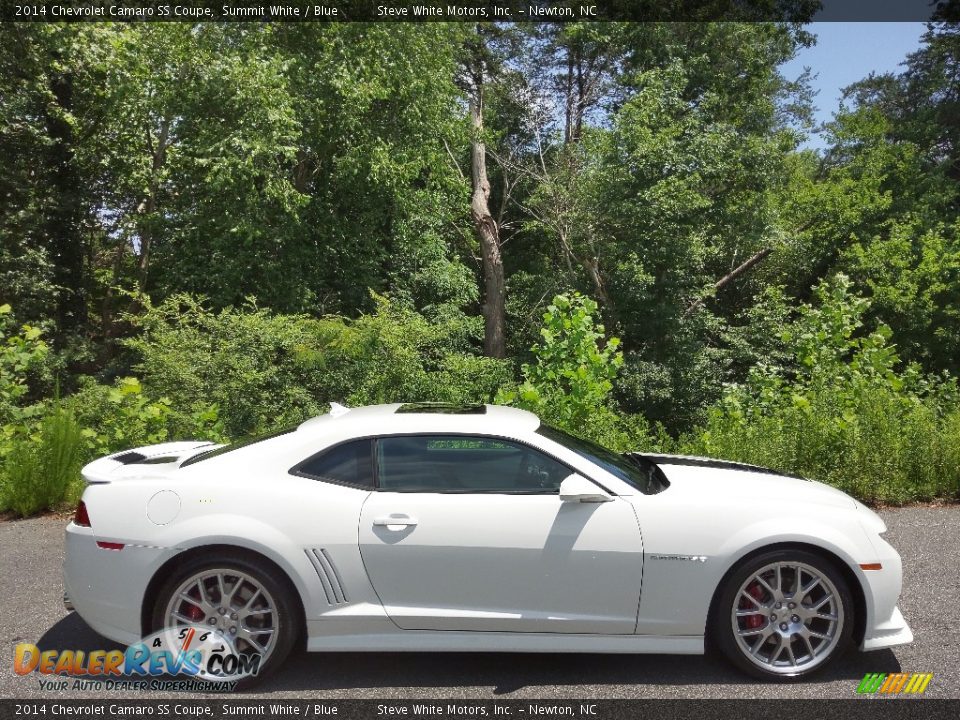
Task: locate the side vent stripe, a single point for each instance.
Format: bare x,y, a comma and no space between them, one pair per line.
335,580
329,577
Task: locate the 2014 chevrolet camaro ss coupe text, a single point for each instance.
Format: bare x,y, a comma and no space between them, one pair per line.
476,528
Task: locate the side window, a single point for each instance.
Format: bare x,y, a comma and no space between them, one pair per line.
346,464
459,463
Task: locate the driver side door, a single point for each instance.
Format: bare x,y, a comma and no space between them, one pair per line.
470,533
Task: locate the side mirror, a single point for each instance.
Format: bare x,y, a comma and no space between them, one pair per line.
576,488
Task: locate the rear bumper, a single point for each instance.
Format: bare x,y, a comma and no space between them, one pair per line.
106,587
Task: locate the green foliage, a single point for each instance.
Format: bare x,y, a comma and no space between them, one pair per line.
843,410
20,352
122,416
326,169
395,355
41,466
248,362
262,370
570,382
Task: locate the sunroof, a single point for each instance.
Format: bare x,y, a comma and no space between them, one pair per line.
442,408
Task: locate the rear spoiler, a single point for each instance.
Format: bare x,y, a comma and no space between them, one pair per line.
159,458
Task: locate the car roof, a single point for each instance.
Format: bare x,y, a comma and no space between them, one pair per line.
422,417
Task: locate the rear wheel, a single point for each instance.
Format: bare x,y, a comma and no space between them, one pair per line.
784,614
248,604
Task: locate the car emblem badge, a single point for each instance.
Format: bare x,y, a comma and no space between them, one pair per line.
690,558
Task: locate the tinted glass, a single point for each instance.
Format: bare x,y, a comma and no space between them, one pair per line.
457,463
347,464
442,408
638,472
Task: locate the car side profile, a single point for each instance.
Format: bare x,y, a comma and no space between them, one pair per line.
432,527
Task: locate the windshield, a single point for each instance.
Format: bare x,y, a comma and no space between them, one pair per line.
235,446
635,470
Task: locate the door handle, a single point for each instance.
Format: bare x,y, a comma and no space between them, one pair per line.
395,521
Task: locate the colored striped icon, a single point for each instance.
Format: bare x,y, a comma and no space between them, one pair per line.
894,683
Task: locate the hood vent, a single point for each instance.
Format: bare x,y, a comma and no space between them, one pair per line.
129,457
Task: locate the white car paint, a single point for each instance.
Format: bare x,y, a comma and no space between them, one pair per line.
604,569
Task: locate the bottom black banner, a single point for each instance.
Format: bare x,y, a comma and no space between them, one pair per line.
866,708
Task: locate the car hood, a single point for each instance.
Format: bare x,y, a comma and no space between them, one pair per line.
703,477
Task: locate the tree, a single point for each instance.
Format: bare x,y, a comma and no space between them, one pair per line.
477,69
45,223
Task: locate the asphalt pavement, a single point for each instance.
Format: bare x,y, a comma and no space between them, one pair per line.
928,539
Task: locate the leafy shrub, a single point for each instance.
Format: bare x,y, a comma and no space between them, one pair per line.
843,410
41,467
396,355
121,416
21,351
262,370
570,382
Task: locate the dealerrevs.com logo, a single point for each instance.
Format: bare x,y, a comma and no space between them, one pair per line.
894,683
188,652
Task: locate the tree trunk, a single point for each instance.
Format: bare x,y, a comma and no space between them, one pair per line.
494,306
66,213
148,205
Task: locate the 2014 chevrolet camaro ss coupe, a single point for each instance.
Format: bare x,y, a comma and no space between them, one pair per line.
476,528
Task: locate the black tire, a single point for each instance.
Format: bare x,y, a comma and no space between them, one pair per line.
274,582
749,640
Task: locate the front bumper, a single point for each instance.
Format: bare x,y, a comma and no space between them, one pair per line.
886,626
106,587
889,633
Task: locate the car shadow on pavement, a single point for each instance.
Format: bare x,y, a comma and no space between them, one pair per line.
511,672
504,672
72,633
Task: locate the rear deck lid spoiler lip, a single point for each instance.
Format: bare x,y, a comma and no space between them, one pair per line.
108,468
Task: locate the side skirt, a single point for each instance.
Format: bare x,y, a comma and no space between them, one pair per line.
450,641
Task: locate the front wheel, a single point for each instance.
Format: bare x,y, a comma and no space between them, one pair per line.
784,614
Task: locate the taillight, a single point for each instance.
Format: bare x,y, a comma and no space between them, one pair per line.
80,517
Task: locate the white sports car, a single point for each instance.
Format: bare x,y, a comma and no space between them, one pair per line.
427,526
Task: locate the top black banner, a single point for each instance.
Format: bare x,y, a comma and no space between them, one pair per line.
797,11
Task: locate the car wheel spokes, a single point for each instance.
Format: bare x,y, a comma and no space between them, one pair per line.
788,617
230,601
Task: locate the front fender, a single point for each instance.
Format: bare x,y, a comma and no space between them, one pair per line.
683,567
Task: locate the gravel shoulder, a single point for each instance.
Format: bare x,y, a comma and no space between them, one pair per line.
928,539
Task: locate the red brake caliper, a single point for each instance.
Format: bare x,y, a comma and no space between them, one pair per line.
193,612
752,621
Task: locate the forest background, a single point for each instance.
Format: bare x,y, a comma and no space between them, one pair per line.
209,231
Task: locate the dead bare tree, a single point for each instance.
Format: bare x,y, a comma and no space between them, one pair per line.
486,227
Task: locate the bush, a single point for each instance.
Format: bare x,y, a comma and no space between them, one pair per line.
843,411
121,416
264,370
22,351
41,467
396,355
570,382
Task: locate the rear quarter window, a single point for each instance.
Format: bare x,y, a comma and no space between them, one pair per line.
349,463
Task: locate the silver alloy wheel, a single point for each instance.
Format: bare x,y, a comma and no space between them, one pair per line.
232,602
787,617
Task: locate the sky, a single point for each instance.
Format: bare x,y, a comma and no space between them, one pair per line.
849,51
